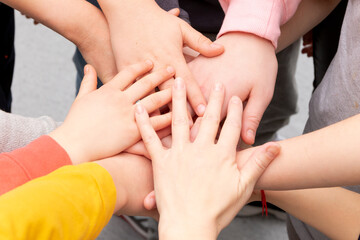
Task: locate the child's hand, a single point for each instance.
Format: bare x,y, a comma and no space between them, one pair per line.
140,29
198,185
101,122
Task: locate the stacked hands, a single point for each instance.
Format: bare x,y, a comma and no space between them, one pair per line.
195,178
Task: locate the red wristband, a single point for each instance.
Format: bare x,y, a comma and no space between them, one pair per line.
263,201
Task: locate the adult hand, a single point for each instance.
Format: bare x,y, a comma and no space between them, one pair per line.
101,122
247,69
198,187
140,30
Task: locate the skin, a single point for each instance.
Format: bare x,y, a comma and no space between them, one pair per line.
241,76
198,187
81,23
161,39
113,103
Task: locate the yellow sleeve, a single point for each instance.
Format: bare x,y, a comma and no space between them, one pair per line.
74,202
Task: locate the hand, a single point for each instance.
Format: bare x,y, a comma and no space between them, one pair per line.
133,180
198,186
247,69
101,122
142,30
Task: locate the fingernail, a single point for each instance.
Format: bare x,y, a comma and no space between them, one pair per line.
218,87
86,69
179,83
200,109
170,69
250,133
272,151
139,108
236,100
149,62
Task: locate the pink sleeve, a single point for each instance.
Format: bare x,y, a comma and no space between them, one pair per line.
37,159
260,17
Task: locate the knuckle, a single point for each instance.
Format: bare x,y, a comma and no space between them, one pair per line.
149,139
234,123
180,121
210,117
155,100
255,120
260,163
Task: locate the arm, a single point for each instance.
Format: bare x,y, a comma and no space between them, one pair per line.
323,158
76,202
81,23
309,14
320,209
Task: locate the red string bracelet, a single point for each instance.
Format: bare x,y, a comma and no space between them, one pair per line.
263,201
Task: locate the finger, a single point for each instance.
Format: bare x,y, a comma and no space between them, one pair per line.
138,149
194,94
199,42
150,202
230,132
156,100
180,121
258,162
148,83
128,75
89,82
210,122
253,113
195,129
147,132
174,11
161,121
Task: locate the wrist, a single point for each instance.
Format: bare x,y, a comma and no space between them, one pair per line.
235,38
177,228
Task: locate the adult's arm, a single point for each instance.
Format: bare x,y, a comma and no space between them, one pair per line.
320,209
81,23
327,157
17,131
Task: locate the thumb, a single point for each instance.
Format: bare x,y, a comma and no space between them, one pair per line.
89,82
258,162
199,42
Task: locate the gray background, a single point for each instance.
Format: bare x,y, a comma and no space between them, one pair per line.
44,84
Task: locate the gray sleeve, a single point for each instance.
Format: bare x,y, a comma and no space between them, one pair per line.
17,131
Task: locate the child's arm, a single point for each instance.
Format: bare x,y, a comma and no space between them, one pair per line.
76,202
308,15
79,22
320,209
324,158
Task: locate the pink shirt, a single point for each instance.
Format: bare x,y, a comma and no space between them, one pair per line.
37,159
260,17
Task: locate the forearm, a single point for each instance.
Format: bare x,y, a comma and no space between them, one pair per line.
74,202
73,19
309,14
324,158
333,211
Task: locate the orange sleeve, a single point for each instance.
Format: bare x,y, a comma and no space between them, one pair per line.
37,159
